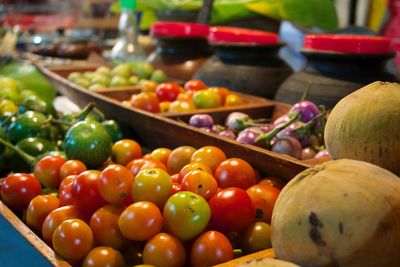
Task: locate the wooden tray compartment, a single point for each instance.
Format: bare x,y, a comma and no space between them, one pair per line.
155,131
124,92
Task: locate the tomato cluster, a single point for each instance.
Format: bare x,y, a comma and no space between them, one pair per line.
165,208
171,97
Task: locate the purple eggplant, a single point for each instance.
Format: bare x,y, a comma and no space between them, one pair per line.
307,109
218,128
201,120
322,154
228,133
288,146
239,121
207,129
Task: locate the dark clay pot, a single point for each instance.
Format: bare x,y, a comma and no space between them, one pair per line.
255,70
180,58
331,76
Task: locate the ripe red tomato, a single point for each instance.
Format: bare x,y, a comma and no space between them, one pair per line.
115,184
176,188
19,189
47,171
73,239
65,196
66,181
140,221
85,192
178,158
186,215
146,101
263,197
125,150
201,183
104,256
235,172
256,237
211,248
194,85
38,209
55,218
168,91
152,185
71,167
209,155
231,210
104,225
164,250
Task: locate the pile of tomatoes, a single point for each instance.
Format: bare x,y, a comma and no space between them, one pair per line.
171,97
176,207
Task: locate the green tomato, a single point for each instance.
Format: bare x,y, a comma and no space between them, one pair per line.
7,108
83,82
145,70
159,76
133,80
103,70
95,86
186,215
89,142
123,70
206,99
100,79
88,74
9,93
10,83
74,75
27,93
256,237
119,81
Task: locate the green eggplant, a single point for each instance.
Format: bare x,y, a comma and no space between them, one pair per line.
35,146
29,124
36,104
113,129
89,142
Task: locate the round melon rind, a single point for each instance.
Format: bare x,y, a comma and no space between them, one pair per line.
340,213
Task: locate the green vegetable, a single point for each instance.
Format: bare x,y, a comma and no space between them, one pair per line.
307,13
29,78
113,129
29,124
89,142
35,146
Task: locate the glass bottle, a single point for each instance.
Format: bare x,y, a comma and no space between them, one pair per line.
127,48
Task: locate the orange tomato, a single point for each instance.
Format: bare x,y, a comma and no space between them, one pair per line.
181,106
164,106
222,91
273,181
140,221
125,150
137,165
73,239
201,183
233,100
178,158
104,256
38,209
209,155
115,184
104,225
72,167
161,154
191,167
164,250
263,197
147,101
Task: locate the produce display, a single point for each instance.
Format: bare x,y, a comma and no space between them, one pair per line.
31,129
120,75
171,97
299,133
365,126
342,213
165,208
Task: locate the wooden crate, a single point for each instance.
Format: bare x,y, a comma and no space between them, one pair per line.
153,130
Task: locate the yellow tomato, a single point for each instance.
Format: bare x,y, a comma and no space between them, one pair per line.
233,100
181,106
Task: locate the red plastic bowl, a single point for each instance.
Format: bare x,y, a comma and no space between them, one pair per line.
179,30
353,44
232,35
